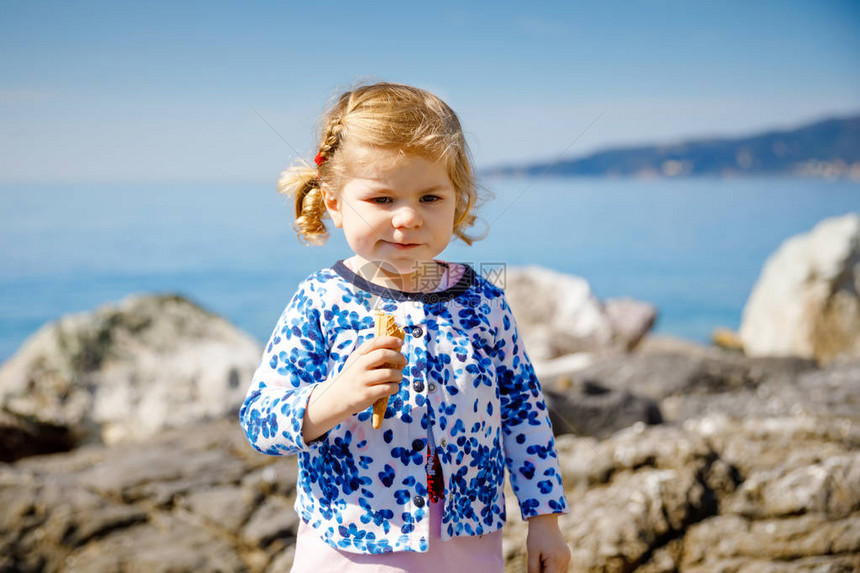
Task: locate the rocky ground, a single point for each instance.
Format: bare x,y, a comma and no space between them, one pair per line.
756,467
120,449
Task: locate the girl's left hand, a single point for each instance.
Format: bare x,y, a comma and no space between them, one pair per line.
547,550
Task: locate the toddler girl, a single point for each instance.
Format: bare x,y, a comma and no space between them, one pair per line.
426,490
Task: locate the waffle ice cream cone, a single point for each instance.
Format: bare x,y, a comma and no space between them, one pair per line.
384,325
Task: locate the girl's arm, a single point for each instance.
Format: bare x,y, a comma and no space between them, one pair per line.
294,361
529,444
530,450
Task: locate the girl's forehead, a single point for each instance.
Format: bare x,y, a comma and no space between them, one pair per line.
374,161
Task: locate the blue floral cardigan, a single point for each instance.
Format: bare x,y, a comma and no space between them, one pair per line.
468,377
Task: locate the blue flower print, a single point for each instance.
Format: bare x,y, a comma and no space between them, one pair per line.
386,476
468,380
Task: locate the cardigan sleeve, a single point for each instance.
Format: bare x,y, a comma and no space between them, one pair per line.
530,453
294,362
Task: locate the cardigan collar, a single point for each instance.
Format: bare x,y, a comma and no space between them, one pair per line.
428,298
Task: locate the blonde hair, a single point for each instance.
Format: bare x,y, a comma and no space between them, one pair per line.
388,116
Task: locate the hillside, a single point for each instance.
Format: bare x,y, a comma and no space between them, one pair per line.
829,148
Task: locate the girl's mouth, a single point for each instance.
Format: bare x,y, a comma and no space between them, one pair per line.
404,246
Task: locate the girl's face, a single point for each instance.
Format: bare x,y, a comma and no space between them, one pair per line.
396,211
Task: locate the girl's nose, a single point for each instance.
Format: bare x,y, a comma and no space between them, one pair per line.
406,216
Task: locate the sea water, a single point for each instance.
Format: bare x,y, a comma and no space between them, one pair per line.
692,247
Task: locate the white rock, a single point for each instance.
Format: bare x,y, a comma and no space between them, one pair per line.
557,314
805,302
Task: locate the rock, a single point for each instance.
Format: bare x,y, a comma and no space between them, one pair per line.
830,487
632,497
726,339
22,436
817,564
720,492
660,375
282,561
630,319
777,390
588,409
557,314
732,537
661,480
562,366
224,506
42,519
126,372
274,520
690,385
755,468
166,543
760,444
180,501
806,302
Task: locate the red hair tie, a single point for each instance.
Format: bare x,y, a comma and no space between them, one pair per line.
319,159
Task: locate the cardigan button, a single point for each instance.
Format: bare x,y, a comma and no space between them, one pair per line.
443,442
431,387
418,386
418,445
417,332
418,501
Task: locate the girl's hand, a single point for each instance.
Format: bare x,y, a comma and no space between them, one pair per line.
547,550
373,371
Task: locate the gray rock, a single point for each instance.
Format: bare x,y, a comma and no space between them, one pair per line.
817,564
126,372
224,506
180,501
758,470
274,520
617,527
44,518
692,385
588,409
166,543
831,487
22,436
283,561
766,443
790,390
630,319
727,537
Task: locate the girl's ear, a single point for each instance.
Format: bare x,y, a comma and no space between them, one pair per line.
333,206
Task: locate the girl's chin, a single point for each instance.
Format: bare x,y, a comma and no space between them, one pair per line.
403,265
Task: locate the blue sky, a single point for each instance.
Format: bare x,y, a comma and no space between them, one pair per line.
171,91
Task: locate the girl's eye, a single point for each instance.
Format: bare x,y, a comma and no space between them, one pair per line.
380,200
431,198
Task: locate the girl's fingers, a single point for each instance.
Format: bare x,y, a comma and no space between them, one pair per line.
381,390
391,342
385,357
385,376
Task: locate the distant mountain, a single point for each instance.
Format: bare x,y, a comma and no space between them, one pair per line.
829,148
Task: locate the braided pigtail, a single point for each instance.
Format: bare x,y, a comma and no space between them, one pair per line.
330,142
302,182
305,184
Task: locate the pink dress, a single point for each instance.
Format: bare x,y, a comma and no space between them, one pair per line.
458,555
